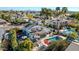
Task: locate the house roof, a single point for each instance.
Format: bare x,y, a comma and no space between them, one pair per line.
74,46
1,20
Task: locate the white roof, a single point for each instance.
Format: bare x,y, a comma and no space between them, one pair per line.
73,47
1,20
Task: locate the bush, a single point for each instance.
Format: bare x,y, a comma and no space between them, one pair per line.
13,39
26,45
6,45
74,35
58,46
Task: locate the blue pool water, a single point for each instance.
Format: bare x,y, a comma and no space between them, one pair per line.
55,38
68,31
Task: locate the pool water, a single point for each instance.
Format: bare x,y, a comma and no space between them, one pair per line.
55,38
68,31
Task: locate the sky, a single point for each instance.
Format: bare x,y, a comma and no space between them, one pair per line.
36,8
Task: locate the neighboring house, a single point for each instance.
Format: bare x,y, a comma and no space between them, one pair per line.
3,23
25,18
57,22
35,32
73,47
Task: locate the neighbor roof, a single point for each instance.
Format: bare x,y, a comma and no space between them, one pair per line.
1,20
74,46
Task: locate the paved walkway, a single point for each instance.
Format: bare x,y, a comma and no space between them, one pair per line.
42,43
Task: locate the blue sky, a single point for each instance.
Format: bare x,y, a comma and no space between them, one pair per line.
35,8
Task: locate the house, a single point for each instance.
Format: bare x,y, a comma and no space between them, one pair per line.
3,23
74,46
35,32
25,18
57,22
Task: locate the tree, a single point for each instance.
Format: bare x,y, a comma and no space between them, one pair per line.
57,12
57,8
13,39
6,45
8,18
75,15
74,35
47,13
2,16
26,45
60,45
30,16
64,9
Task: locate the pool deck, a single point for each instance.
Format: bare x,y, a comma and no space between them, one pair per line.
42,42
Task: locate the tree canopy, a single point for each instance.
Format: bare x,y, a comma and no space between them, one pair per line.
13,39
57,8
64,9
26,45
46,12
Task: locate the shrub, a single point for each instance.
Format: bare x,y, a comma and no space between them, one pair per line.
26,45
60,45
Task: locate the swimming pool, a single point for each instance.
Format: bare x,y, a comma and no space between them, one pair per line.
68,31
57,37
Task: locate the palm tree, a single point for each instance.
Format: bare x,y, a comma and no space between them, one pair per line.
57,12
57,8
47,13
64,9
26,45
